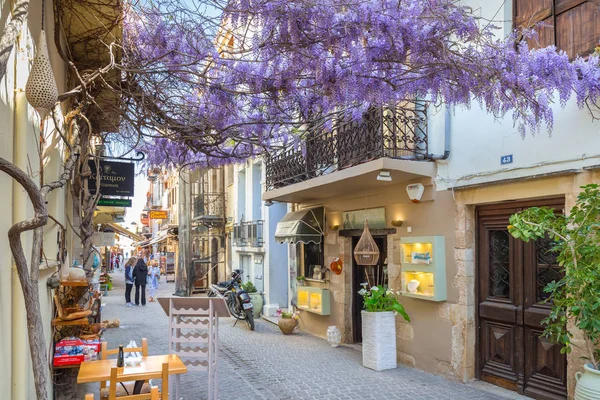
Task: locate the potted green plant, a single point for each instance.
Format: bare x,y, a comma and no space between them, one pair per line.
287,321
575,300
255,297
301,280
381,306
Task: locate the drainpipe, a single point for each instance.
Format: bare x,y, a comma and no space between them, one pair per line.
21,361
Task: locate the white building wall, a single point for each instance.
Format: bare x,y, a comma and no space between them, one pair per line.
248,185
478,140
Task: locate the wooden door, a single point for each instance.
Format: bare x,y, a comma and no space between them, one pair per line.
511,276
359,275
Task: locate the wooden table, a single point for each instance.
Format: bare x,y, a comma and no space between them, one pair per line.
99,371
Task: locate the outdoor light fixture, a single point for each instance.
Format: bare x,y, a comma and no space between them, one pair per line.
334,227
384,175
397,222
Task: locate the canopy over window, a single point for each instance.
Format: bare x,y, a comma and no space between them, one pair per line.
301,226
119,229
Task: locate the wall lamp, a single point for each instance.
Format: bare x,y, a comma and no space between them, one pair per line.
334,227
397,222
384,175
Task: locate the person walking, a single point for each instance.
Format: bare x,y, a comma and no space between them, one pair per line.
129,280
153,277
140,273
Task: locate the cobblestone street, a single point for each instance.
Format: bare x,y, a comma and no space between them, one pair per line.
265,364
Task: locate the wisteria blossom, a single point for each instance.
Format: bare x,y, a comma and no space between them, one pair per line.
209,82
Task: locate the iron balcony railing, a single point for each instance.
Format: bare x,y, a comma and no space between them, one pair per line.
208,205
399,133
248,233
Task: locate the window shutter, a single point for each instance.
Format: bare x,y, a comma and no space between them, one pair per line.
573,25
577,26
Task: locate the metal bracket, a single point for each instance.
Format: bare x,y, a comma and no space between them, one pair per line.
139,157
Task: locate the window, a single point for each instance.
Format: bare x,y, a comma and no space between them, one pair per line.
309,255
572,25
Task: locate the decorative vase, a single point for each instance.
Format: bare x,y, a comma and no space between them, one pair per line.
257,303
334,336
588,384
287,325
41,91
379,340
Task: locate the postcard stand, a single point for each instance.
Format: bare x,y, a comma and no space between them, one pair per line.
194,335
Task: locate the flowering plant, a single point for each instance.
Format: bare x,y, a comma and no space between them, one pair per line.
285,314
378,299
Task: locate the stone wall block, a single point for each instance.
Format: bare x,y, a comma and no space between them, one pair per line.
404,331
406,359
464,254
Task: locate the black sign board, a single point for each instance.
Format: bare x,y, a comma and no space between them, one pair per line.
116,178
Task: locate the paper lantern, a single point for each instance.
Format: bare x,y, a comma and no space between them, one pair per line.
41,91
366,251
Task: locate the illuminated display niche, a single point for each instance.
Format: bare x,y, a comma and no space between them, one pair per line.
314,300
423,260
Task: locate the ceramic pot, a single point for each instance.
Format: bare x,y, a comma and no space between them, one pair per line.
334,336
257,303
588,384
379,340
287,325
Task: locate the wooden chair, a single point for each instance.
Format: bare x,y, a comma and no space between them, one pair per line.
105,352
154,394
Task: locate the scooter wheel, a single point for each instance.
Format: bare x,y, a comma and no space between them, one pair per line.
250,319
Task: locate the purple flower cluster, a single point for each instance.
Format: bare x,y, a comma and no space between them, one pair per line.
234,85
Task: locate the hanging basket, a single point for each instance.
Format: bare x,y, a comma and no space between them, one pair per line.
366,251
41,91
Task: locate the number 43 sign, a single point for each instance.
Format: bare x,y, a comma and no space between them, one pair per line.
508,159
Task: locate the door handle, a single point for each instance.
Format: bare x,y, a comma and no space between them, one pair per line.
520,317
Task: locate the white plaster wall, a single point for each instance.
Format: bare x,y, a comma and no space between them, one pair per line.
478,141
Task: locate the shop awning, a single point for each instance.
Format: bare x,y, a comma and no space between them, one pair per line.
120,230
301,226
158,239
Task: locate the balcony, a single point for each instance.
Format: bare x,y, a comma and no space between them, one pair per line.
209,209
395,137
248,233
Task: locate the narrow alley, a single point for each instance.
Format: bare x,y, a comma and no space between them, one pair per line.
265,364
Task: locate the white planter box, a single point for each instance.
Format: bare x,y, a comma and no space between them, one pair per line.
379,340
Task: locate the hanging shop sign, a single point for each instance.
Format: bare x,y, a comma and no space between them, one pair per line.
104,239
159,214
116,178
104,201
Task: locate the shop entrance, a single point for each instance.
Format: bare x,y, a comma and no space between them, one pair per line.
511,276
376,275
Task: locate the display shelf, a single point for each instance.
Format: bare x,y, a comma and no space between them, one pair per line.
423,263
314,300
74,283
316,280
79,321
67,366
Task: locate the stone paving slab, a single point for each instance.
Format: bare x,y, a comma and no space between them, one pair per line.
266,364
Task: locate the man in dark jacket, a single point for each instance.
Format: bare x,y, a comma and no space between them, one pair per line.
140,272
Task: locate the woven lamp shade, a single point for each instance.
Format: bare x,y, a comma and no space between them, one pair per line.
41,91
366,251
